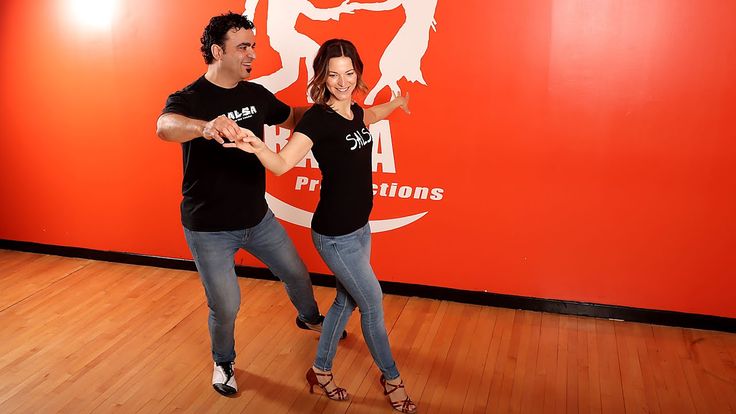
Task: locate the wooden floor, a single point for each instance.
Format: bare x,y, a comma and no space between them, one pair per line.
81,336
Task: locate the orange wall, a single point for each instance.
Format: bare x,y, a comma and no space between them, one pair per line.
586,149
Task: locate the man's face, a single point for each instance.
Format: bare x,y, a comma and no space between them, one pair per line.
239,52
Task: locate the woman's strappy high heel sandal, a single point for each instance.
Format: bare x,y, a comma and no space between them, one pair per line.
406,405
337,393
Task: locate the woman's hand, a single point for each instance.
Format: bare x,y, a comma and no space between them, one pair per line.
402,101
246,141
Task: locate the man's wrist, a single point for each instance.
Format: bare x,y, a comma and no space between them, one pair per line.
199,126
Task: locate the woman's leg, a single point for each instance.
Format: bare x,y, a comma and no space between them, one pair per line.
335,320
348,257
332,327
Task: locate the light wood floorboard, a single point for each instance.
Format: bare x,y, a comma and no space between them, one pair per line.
81,336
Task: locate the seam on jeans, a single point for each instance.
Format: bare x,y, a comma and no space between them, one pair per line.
337,251
249,230
192,247
244,239
195,255
319,241
334,340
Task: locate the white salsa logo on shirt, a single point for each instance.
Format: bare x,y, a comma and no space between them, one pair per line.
239,115
360,138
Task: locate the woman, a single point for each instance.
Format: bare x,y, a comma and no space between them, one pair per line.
334,128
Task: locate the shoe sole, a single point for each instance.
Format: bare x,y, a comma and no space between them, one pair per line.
224,389
303,325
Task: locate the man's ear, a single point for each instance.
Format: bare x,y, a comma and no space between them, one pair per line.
217,51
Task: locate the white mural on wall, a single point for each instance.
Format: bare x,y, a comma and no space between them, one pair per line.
290,44
400,59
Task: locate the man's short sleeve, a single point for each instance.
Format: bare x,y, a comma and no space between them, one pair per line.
177,103
278,112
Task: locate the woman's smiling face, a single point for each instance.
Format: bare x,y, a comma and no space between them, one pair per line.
341,78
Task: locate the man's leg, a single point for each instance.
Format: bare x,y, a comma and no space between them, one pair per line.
214,253
269,242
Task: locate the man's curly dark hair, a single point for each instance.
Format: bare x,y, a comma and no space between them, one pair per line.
216,32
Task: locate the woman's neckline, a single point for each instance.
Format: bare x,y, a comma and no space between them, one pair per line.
350,113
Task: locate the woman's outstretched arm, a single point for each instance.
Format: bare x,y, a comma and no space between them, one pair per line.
378,112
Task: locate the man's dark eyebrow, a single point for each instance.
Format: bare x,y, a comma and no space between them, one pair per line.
246,44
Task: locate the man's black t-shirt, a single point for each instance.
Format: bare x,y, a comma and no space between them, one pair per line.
343,150
224,188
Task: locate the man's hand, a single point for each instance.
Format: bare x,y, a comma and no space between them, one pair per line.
221,127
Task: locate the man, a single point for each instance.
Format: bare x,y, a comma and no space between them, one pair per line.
223,207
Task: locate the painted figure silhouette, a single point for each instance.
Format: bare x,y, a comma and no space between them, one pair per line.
290,44
402,57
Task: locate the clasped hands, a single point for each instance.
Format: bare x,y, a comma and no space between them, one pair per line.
247,141
223,128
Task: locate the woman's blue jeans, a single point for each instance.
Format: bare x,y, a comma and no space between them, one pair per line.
348,257
214,255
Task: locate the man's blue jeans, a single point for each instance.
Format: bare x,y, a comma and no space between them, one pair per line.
214,255
348,257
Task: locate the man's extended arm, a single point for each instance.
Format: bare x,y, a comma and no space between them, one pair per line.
179,128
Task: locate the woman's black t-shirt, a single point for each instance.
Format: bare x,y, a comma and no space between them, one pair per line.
343,150
224,189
